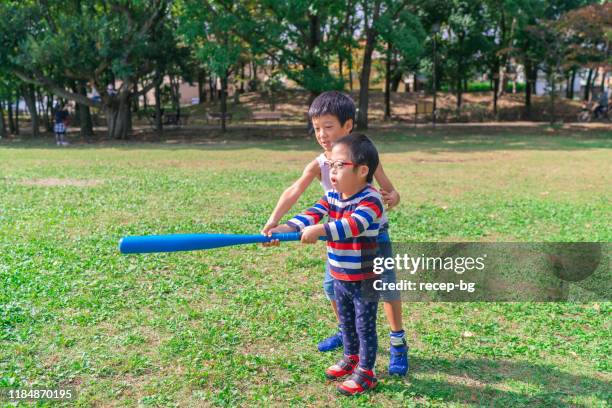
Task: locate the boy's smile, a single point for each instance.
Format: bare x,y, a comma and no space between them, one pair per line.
328,129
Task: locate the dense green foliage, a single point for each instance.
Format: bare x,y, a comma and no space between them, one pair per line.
69,49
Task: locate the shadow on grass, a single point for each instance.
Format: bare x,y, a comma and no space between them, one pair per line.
475,382
396,140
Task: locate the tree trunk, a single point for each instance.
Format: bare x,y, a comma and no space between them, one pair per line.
16,112
350,68
312,43
2,122
49,112
396,74
77,116
84,115
128,117
388,84
495,74
593,83
459,93
503,81
415,85
118,116
587,88
112,113
571,84
212,83
364,79
396,78
255,81
201,86
237,96
30,100
175,93
11,121
134,103
551,80
40,107
242,77
223,101
145,105
340,63
495,89
159,125
528,88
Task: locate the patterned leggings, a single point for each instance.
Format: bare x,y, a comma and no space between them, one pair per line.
358,321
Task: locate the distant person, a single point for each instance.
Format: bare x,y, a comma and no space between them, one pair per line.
61,122
602,104
110,90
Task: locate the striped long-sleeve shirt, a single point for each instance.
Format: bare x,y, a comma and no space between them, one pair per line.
352,231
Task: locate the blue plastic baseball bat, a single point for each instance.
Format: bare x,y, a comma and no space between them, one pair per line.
192,242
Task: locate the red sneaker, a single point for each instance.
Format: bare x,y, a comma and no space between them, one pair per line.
359,382
342,368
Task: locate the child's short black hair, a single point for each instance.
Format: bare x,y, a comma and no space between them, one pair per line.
333,103
363,152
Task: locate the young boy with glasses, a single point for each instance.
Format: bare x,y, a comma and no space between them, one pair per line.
354,210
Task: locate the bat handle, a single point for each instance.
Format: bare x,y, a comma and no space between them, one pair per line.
290,236
285,236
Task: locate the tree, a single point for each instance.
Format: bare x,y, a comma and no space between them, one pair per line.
207,26
371,12
526,45
53,43
502,20
347,42
587,32
4,95
546,41
464,43
8,86
300,37
403,35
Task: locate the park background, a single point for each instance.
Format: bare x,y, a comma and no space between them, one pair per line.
189,116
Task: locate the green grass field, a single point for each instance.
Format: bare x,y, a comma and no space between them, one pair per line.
239,326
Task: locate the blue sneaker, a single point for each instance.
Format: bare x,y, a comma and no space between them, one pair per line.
398,363
331,343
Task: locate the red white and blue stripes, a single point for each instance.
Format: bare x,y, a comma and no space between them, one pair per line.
352,231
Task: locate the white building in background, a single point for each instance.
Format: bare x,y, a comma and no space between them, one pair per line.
543,88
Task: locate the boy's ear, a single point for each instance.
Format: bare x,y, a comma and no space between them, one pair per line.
348,126
363,171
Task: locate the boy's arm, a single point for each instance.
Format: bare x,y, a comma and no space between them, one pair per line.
306,222
311,216
369,210
291,195
390,196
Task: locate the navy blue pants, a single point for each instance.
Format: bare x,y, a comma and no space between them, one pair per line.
358,321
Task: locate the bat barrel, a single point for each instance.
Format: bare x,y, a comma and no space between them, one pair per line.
192,242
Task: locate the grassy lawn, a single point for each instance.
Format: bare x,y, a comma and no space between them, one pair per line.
239,325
